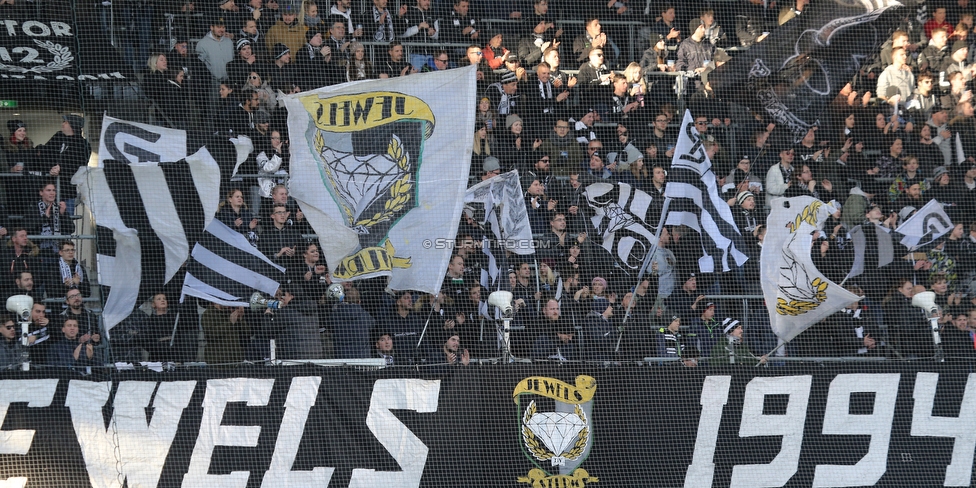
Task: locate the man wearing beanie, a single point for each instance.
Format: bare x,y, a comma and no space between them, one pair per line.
282,71
503,93
308,54
247,61
232,14
706,329
733,350
957,61
491,168
750,222
286,31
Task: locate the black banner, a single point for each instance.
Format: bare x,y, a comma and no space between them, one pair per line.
57,43
544,426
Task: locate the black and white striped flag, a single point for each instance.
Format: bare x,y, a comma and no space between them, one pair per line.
696,203
150,202
620,219
225,268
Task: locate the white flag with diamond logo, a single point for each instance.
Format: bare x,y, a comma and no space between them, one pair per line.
380,169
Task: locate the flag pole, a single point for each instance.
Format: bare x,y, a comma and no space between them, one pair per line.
777,348
175,324
644,266
427,323
538,290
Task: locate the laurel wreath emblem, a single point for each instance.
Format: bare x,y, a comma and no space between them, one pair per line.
799,307
808,215
62,59
399,190
539,450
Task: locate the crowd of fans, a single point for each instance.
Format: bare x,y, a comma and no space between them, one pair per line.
561,103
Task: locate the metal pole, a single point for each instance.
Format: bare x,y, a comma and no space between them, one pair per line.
644,266
24,332
538,306
506,345
937,339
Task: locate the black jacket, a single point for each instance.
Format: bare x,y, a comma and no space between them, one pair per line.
70,152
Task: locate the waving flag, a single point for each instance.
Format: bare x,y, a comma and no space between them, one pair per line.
696,202
379,168
504,207
225,268
797,294
620,219
925,226
151,202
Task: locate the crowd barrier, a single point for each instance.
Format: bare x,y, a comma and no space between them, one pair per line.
482,425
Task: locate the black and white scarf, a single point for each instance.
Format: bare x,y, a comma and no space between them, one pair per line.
51,225
67,273
545,90
384,30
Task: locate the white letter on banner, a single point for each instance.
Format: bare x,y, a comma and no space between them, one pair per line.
37,394
397,394
301,398
142,447
790,426
961,428
838,421
714,396
254,391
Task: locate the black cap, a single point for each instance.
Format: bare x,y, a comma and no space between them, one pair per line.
77,122
13,125
310,33
262,117
958,45
280,50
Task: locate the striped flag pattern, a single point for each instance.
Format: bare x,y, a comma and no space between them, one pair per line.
696,203
225,268
147,212
620,219
873,249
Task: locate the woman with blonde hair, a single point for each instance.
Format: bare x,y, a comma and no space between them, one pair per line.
635,78
266,94
637,90
154,83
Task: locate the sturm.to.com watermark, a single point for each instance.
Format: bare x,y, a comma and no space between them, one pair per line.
509,244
